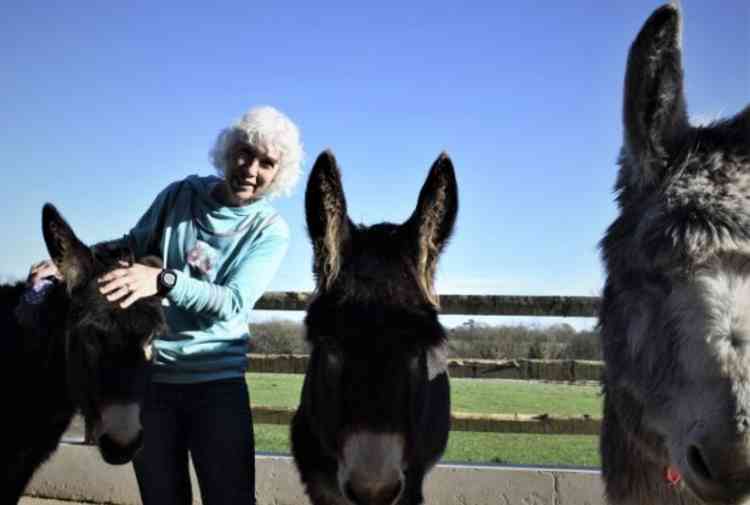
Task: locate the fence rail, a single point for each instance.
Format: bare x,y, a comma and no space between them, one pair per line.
469,305
479,305
541,424
518,369
461,421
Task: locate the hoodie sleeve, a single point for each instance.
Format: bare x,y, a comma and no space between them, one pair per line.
244,283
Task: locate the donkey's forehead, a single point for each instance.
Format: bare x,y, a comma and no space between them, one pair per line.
701,210
368,346
710,180
377,236
717,299
109,253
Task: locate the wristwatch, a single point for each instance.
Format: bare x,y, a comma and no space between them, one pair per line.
165,282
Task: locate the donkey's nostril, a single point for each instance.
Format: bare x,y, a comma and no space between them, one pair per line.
743,422
349,492
374,493
392,492
698,463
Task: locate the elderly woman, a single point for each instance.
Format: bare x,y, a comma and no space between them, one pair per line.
221,243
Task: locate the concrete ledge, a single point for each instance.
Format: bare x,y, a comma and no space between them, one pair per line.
77,473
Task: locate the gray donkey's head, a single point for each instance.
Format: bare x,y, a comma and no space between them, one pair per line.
675,318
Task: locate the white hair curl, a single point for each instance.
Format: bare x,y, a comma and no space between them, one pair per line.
264,126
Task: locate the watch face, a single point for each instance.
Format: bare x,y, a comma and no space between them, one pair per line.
169,278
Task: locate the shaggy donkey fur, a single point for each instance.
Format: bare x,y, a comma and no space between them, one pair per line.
375,409
675,315
77,351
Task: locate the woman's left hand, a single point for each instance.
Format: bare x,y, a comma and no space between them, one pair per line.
130,283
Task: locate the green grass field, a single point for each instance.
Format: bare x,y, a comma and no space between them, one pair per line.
469,395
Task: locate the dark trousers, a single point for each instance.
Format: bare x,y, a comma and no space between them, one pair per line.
212,422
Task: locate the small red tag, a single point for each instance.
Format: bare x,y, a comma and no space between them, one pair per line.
672,475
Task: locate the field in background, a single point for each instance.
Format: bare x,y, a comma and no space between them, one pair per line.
488,396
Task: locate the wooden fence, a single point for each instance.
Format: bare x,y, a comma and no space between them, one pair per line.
479,305
542,424
470,305
519,369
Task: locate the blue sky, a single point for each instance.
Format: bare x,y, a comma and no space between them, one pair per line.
102,104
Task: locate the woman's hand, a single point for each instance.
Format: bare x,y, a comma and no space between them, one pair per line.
42,270
130,283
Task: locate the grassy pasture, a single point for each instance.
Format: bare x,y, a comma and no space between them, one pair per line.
469,395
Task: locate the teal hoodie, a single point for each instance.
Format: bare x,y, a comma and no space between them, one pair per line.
225,258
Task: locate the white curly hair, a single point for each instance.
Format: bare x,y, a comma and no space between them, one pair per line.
264,126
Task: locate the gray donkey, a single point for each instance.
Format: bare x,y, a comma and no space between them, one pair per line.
675,315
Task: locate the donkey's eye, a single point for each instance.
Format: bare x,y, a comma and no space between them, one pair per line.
414,367
333,360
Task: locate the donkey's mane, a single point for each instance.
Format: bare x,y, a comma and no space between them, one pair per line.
9,296
698,211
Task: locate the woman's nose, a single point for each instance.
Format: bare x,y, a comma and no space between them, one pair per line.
252,168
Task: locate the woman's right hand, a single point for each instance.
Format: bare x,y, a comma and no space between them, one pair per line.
41,270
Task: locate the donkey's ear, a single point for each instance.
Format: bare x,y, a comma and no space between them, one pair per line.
72,257
654,109
327,221
433,219
741,124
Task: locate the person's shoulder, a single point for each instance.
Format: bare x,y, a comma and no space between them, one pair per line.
193,186
199,183
176,186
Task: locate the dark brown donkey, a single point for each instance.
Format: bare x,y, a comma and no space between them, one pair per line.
72,351
375,409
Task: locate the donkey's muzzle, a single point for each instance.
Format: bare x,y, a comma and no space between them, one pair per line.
719,473
371,467
364,492
116,454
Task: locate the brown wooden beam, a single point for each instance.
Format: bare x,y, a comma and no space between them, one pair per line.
479,305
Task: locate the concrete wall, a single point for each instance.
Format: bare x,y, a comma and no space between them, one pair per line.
77,473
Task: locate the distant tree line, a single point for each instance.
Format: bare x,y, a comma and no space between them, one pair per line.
559,341
472,339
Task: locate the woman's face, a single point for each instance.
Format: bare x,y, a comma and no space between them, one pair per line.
250,171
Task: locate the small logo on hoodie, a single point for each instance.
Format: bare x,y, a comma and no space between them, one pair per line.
202,257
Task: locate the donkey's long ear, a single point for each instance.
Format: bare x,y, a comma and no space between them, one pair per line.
654,109
327,221
72,257
433,219
741,124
